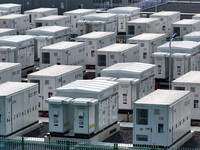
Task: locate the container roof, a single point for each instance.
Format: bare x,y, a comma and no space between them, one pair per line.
123,10
87,86
96,35
147,36
160,54
179,45
13,16
128,68
59,100
95,16
47,29
4,30
9,5
117,47
186,22
165,13
195,34
196,15
16,38
6,65
56,70
40,10
84,101
190,77
52,17
162,97
80,11
128,80
62,45
9,88
106,78
5,48
143,20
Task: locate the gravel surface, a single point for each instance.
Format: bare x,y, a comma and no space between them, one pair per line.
123,136
40,132
194,142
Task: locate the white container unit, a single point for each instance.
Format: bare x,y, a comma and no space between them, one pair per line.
10,72
148,43
161,118
25,49
59,33
142,25
106,92
84,118
142,71
181,64
197,17
161,60
53,20
51,78
20,22
63,53
109,19
18,106
193,36
116,53
76,15
94,41
39,13
60,112
6,31
125,14
8,53
3,13
185,26
190,82
11,8
188,47
166,20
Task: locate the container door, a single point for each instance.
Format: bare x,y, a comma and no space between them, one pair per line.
22,56
30,55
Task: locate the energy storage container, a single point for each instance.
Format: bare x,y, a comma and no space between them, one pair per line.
148,43
76,15
6,31
60,114
110,21
53,20
63,53
106,92
166,20
59,33
20,22
185,26
10,72
51,78
125,14
161,60
24,52
8,53
84,115
18,106
11,8
190,82
144,72
182,64
39,13
94,41
189,47
193,36
142,25
116,53
197,17
161,118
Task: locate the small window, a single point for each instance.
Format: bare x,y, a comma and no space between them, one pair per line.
160,128
156,111
46,58
184,28
55,54
1,119
4,22
163,28
101,60
161,19
142,44
192,89
46,82
131,30
139,27
112,57
144,55
92,54
90,42
196,103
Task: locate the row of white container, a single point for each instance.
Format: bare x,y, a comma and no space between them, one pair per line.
87,116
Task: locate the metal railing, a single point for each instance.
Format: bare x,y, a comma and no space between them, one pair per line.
22,143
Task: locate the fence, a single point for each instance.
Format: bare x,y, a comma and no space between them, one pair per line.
142,4
22,143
